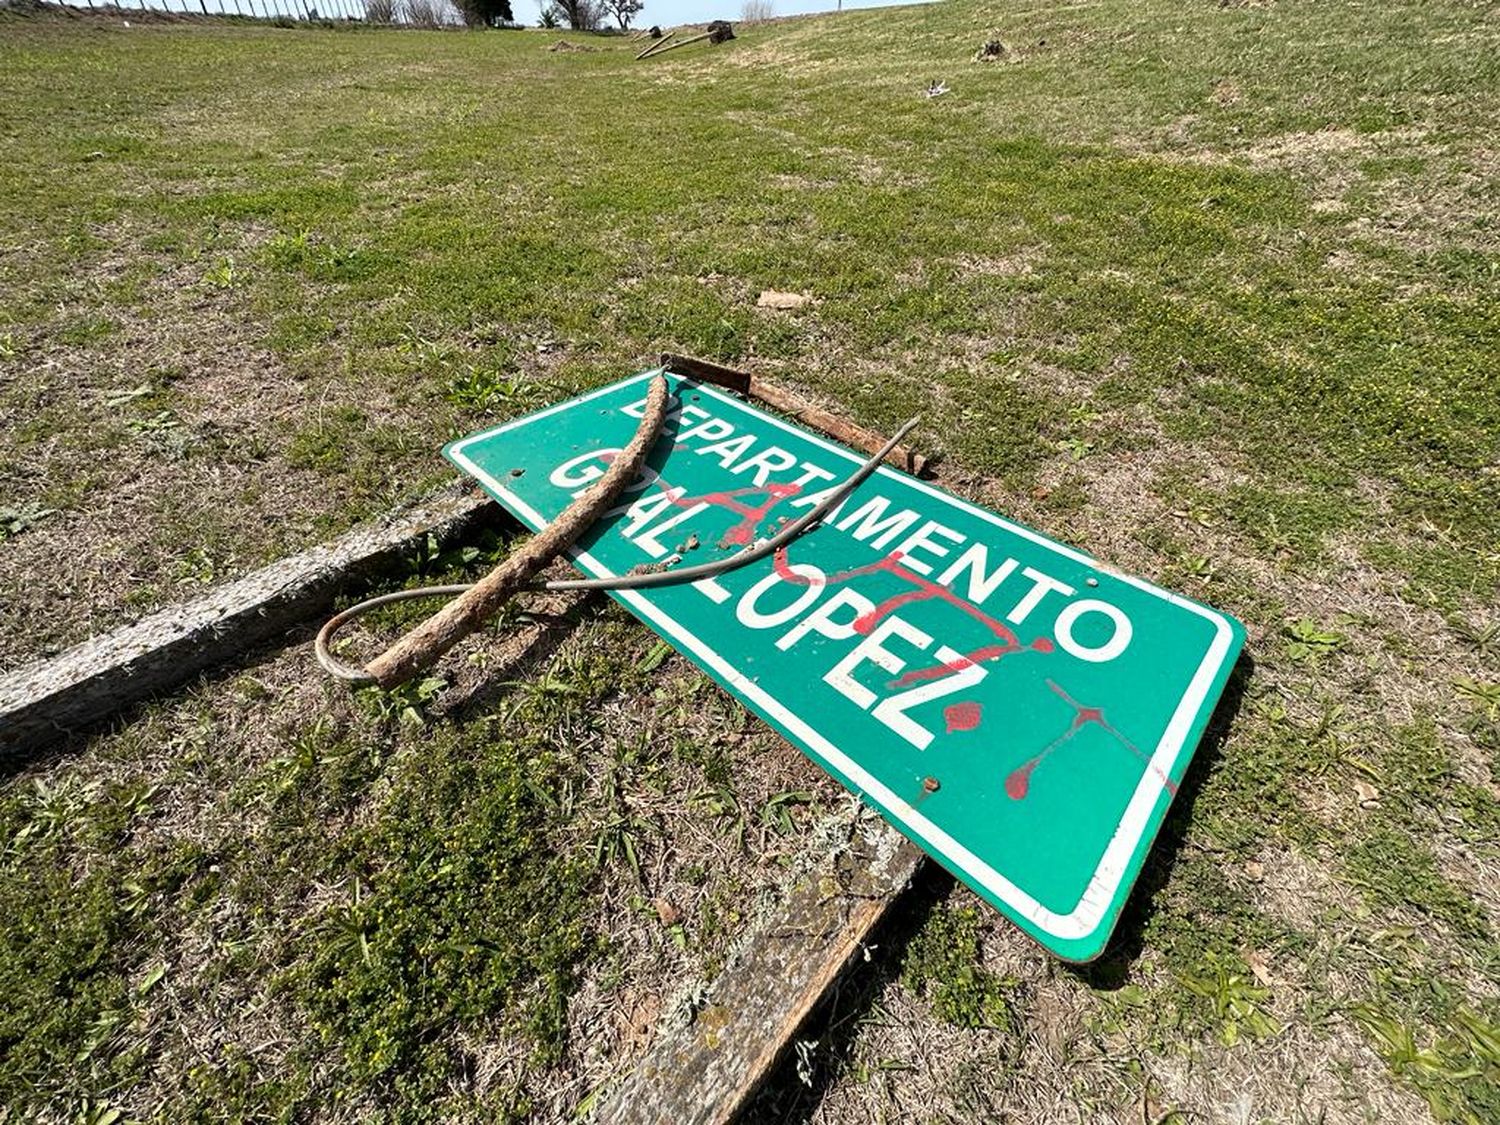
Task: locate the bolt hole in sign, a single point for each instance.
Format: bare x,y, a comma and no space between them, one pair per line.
1054,703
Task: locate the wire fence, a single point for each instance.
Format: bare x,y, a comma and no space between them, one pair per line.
408,13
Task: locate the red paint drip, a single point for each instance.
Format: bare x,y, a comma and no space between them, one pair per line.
964,715
1083,716
961,663
741,534
1018,784
958,715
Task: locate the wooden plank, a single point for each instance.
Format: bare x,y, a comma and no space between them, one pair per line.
54,698
707,1072
655,43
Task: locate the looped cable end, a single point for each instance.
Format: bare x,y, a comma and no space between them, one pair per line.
323,642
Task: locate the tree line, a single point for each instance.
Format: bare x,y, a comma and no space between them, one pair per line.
580,15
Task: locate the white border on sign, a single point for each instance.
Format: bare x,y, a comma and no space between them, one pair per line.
1097,896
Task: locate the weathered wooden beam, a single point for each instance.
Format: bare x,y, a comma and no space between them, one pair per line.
54,698
658,49
707,1072
655,43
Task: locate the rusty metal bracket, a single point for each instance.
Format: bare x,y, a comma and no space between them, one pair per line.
788,402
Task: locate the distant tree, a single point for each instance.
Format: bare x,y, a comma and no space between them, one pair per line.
550,16
754,11
582,15
624,11
424,13
485,13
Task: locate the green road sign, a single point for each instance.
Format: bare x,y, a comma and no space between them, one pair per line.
1021,712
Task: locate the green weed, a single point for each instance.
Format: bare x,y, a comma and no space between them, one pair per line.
1485,698
1457,1073
1235,1003
943,963
778,813
222,274
15,520
406,703
485,389
1308,642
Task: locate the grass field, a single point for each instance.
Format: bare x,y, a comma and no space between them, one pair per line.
1209,290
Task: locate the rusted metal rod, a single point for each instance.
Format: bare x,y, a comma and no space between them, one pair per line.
753,386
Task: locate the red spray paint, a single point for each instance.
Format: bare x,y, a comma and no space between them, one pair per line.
964,715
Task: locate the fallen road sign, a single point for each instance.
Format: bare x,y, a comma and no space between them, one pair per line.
1021,712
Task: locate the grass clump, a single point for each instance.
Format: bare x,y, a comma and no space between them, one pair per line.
1457,1072
943,964
73,938
1395,872
456,908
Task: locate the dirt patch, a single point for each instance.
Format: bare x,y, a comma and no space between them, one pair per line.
802,183
1289,149
1299,891
1330,1076
1020,264
1226,92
